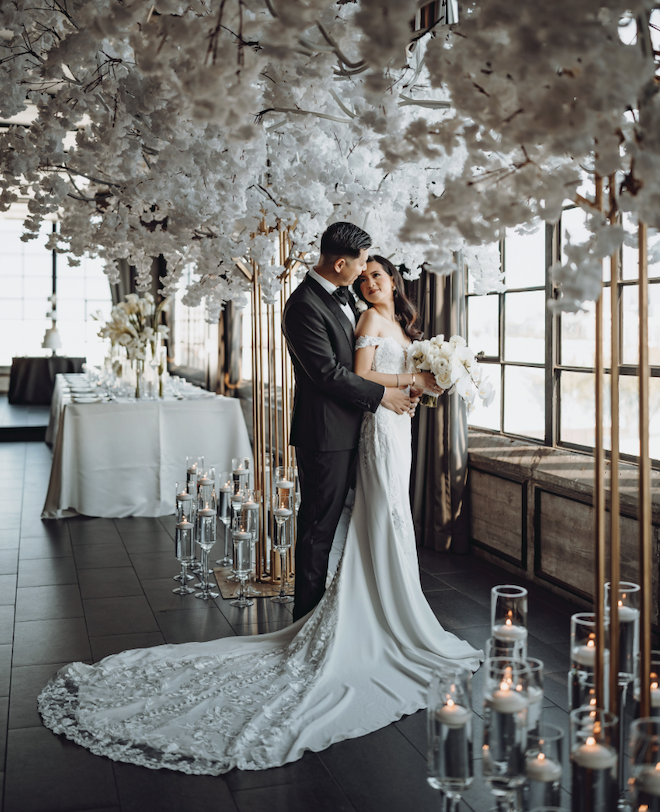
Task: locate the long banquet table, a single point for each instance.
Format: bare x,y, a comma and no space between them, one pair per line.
118,459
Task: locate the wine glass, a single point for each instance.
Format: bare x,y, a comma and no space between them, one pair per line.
282,512
449,715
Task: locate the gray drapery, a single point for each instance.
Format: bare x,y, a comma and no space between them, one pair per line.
439,470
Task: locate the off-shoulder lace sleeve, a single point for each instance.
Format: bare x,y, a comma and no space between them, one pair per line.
367,341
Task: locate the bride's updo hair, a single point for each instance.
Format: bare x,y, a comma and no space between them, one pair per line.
404,309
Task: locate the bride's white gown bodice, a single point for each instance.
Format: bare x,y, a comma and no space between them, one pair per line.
361,660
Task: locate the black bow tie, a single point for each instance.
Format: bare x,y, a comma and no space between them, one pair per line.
342,295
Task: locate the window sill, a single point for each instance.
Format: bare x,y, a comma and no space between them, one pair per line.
566,471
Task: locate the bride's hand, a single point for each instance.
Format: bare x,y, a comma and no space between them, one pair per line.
426,380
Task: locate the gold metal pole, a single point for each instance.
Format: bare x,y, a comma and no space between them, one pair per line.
256,421
615,529
599,494
262,427
645,563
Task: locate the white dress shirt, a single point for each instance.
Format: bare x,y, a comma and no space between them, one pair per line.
326,284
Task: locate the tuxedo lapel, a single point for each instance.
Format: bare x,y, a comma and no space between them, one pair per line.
333,305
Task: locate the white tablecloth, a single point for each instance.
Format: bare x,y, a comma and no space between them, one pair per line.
122,459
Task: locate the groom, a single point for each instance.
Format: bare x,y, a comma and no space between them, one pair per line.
318,323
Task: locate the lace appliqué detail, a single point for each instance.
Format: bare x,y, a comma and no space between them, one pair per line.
243,720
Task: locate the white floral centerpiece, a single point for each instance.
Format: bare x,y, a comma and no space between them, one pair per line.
455,368
133,326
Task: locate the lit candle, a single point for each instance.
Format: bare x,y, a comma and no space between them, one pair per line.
282,513
585,655
452,715
594,756
250,506
655,695
240,471
225,488
542,769
627,614
204,481
648,781
510,631
192,469
284,484
504,700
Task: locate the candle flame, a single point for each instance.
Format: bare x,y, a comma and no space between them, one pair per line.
518,687
590,643
450,703
657,766
654,686
541,756
508,622
504,686
591,741
621,602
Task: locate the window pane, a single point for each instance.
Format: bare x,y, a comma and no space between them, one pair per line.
578,409
524,326
573,223
489,417
630,302
524,401
524,259
578,335
483,320
630,261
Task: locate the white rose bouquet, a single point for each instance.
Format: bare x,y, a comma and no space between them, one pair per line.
455,369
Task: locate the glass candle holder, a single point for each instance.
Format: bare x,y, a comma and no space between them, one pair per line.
193,467
594,784
250,524
535,693
508,615
183,544
285,485
206,540
242,542
506,701
628,603
654,678
205,487
543,767
449,715
282,513
241,473
583,659
224,489
645,764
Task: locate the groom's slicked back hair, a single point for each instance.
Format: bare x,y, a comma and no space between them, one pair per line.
344,240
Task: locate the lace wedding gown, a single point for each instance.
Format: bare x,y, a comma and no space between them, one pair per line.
361,660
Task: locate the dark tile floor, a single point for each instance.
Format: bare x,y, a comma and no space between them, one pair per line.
81,589
12,416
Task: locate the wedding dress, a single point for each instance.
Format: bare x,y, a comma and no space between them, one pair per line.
361,660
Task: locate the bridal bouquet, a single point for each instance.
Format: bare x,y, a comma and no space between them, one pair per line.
134,324
455,368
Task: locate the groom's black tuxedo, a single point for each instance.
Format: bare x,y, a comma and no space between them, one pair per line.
327,412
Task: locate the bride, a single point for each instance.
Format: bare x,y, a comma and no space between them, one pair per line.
360,660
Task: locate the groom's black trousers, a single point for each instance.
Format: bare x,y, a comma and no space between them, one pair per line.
325,477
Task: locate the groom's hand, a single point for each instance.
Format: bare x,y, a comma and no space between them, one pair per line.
396,400
415,395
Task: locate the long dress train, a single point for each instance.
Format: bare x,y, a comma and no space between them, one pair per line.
361,660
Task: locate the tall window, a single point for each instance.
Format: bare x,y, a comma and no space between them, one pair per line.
542,365
26,279
509,329
192,334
